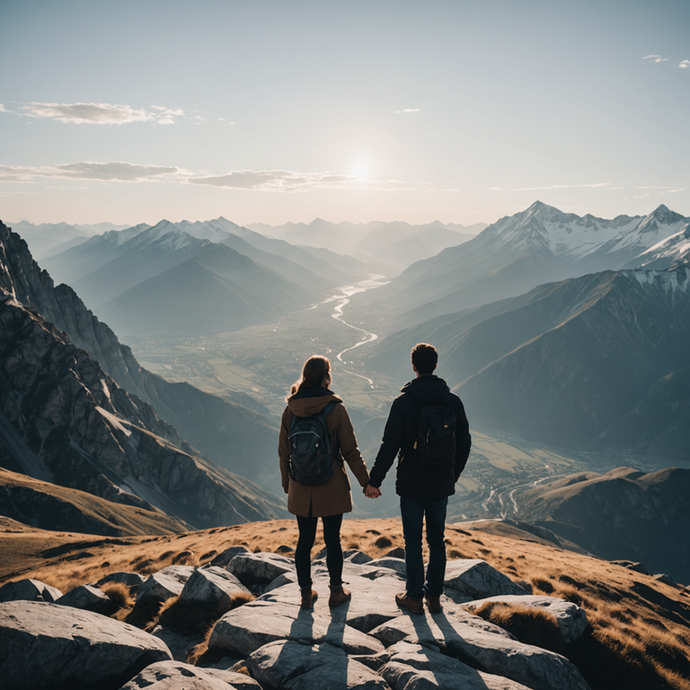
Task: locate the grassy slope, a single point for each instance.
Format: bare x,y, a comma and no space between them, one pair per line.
640,626
56,507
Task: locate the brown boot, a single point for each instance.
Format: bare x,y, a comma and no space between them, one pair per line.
403,600
339,596
433,604
309,596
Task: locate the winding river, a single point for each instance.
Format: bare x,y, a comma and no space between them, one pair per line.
340,302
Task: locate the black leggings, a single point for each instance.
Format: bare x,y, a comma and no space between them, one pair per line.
334,552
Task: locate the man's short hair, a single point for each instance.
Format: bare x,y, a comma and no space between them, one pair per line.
424,358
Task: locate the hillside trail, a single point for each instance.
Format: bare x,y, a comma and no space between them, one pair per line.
340,302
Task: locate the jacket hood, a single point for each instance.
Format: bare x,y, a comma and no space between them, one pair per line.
428,390
311,401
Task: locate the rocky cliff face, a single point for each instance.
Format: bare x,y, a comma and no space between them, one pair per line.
65,419
227,433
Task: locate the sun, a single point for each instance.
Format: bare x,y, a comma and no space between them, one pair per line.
360,169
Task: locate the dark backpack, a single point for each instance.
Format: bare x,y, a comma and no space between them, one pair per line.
311,453
435,444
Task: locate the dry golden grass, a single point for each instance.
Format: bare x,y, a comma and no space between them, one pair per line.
187,617
119,593
197,652
94,512
639,625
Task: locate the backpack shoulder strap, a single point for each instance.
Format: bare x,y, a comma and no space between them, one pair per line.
327,410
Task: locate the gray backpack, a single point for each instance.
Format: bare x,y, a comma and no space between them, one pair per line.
311,452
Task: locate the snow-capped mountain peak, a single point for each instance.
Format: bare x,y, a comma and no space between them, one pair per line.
671,251
575,238
566,235
656,227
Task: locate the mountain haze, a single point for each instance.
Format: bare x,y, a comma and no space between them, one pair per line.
107,266
564,362
224,431
514,255
216,290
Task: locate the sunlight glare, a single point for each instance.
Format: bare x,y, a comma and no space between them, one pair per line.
360,169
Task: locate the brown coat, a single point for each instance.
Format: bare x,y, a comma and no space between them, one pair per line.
334,497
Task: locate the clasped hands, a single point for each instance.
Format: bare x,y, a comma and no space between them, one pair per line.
372,491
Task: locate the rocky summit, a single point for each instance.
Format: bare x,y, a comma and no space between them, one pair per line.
270,642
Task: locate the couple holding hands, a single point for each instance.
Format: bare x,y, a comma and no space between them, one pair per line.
426,474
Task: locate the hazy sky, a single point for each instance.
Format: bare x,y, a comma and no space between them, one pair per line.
284,110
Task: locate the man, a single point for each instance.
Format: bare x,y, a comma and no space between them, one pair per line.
423,483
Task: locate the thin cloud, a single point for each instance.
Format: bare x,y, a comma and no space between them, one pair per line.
112,172
88,113
3,109
125,172
276,180
684,64
267,180
101,113
167,115
655,58
563,186
408,110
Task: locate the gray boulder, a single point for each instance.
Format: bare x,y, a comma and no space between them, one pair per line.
289,665
48,646
412,667
349,555
167,582
468,579
632,565
373,594
175,675
212,587
486,646
28,590
397,552
572,620
178,643
247,628
223,558
397,564
133,580
88,598
356,556
259,568
664,578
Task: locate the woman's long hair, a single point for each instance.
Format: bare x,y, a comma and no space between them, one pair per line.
313,373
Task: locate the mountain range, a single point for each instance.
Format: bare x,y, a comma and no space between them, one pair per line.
50,238
142,279
112,438
569,362
517,253
390,245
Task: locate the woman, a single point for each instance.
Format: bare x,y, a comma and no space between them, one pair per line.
328,501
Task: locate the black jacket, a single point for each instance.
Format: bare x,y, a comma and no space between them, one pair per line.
413,481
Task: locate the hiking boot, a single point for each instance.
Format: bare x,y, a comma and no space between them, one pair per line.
309,596
433,604
403,600
339,596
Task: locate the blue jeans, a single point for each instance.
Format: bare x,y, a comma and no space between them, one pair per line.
413,514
